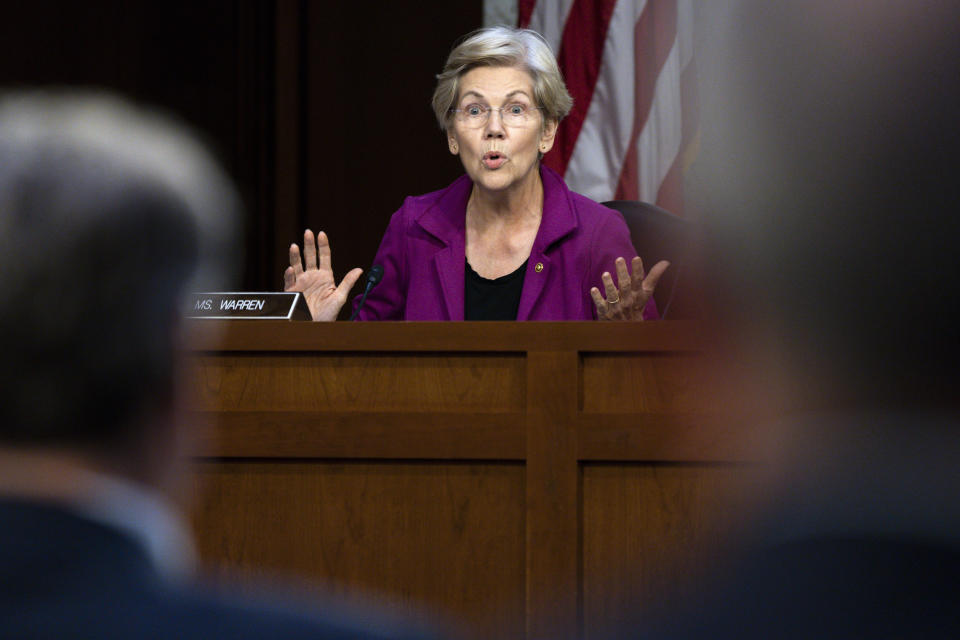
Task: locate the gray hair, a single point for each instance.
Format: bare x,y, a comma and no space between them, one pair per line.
108,214
504,47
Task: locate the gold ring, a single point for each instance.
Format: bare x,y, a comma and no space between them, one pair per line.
614,301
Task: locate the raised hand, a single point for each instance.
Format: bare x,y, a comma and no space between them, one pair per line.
627,300
313,277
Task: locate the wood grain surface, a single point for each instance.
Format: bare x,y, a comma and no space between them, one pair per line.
650,530
424,540
357,382
538,480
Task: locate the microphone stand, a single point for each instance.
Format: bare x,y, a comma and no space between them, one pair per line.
375,275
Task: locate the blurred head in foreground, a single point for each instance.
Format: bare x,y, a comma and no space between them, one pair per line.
829,181
108,214
828,184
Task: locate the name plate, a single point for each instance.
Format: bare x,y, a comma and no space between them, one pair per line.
248,306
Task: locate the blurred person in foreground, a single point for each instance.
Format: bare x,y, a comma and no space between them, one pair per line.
108,215
508,240
830,187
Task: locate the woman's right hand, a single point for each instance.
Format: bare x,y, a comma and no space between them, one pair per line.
314,277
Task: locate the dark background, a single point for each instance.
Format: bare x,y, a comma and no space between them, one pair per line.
320,111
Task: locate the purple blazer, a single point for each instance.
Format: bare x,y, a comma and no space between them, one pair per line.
423,255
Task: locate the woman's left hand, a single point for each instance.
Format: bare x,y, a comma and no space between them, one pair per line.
629,300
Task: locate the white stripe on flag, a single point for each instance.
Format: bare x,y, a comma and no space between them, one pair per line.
659,142
598,153
549,19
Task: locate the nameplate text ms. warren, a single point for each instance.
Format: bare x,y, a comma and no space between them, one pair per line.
248,306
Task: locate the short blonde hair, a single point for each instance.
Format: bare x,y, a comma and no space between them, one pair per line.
503,47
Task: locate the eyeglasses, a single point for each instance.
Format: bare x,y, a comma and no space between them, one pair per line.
515,114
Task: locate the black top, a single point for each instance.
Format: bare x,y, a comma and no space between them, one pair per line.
497,299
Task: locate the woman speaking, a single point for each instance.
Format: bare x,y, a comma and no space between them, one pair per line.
508,240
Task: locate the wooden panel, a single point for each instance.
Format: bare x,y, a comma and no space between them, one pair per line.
639,383
324,434
649,528
435,540
552,496
674,337
313,382
667,437
558,553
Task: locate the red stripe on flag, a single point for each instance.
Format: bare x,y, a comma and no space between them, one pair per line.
525,11
654,35
581,53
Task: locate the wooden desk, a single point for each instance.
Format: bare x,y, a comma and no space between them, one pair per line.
529,479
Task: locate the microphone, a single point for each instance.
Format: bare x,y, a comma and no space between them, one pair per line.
375,276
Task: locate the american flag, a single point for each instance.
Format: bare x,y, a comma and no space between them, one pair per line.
629,66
